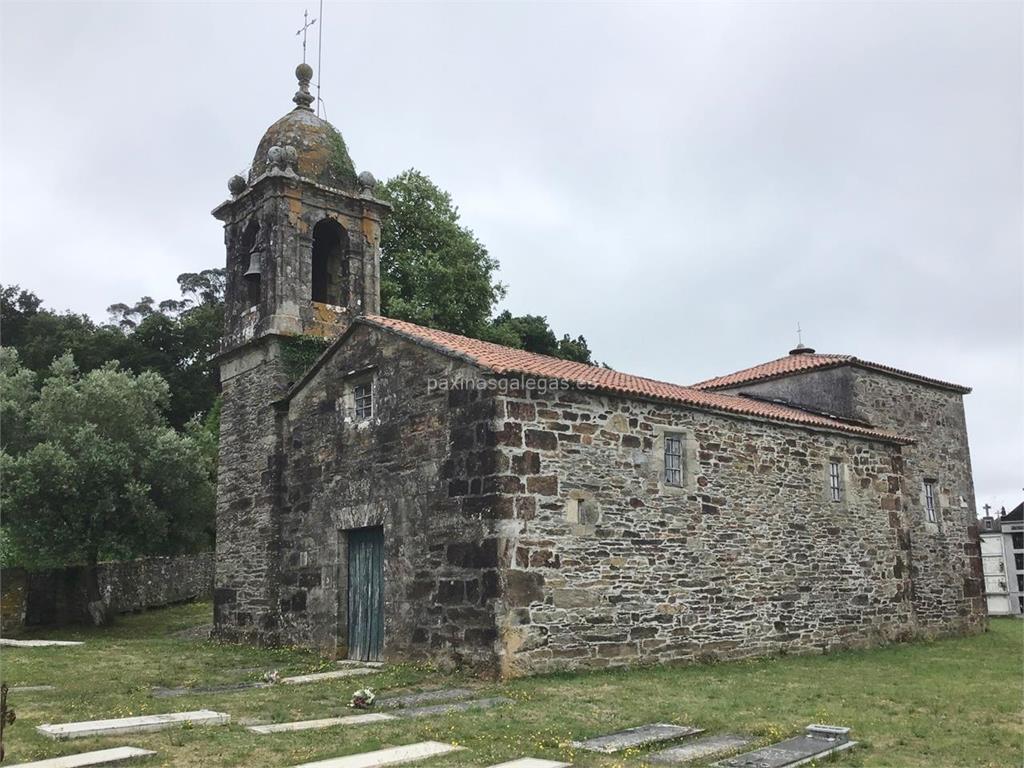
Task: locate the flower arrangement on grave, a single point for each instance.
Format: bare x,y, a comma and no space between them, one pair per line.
362,699
272,677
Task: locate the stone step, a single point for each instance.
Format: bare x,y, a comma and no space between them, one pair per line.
326,722
703,748
392,756
138,724
319,677
633,738
531,762
424,697
82,759
36,643
458,706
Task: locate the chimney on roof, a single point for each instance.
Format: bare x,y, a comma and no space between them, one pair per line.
800,349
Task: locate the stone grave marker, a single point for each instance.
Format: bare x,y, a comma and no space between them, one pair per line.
705,747
641,736
392,756
326,722
83,759
425,697
444,709
531,762
138,724
819,741
31,688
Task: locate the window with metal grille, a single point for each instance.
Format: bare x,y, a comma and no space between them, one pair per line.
1018,540
834,485
362,394
1020,582
673,460
1018,562
929,501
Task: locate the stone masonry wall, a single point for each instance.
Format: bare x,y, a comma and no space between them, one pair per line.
59,596
948,594
248,486
420,468
607,565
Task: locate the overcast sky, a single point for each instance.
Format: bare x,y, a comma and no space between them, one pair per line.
680,183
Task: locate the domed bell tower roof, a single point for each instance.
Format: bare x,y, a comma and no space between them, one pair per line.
321,154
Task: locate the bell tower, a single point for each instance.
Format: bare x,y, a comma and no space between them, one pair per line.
302,234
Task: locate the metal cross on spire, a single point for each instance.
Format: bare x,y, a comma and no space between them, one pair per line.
987,507
306,24
799,334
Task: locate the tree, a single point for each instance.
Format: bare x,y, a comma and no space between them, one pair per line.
532,333
98,472
434,271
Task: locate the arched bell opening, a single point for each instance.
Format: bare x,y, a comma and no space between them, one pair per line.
330,263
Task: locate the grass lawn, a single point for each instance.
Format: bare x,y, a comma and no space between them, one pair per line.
945,703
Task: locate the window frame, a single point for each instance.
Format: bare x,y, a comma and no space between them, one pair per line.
363,404
672,474
835,480
931,509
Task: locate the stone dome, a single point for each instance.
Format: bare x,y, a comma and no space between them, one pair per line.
322,154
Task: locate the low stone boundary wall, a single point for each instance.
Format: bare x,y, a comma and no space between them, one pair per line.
59,596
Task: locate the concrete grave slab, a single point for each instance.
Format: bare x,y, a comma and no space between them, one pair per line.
31,688
37,643
818,742
327,722
138,724
425,697
531,762
319,677
705,747
168,693
632,738
445,709
82,759
354,663
392,756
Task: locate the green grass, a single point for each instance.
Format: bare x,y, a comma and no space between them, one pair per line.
954,702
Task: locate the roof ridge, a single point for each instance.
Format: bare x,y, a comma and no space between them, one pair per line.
502,360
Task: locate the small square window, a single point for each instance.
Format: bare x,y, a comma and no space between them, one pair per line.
835,486
673,460
930,502
362,395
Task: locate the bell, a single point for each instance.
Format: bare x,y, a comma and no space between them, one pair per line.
254,272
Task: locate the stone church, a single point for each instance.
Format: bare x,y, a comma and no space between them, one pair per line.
420,495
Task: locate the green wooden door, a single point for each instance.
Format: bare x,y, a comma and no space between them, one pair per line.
365,593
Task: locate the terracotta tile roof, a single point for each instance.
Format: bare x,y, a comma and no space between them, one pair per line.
809,361
502,360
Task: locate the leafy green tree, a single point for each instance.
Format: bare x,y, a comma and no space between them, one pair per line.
434,271
99,473
532,333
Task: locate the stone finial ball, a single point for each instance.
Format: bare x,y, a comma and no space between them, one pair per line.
367,180
304,72
237,185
